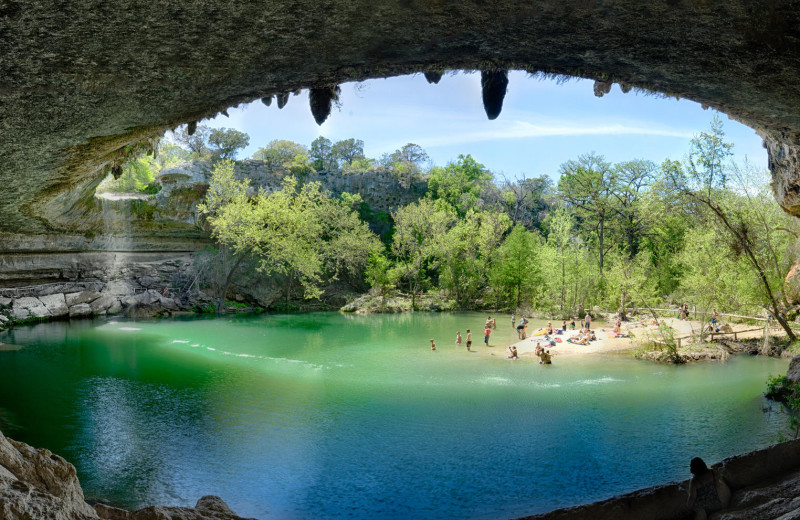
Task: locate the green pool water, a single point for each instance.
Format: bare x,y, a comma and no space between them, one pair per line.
333,416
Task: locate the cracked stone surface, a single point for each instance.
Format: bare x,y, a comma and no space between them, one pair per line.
80,80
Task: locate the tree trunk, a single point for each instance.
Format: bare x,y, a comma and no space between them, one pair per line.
228,279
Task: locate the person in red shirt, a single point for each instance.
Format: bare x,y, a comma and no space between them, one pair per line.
486,333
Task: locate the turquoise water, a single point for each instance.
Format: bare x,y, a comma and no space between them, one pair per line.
333,416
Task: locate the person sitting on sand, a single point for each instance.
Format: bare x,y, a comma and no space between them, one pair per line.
538,350
512,352
572,323
707,493
564,326
617,327
433,345
549,329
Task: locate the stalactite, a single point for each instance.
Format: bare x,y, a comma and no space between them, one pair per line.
191,127
267,100
321,100
433,76
601,88
282,99
494,84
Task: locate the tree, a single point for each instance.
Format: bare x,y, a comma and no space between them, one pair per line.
417,242
459,183
525,200
516,272
297,232
737,216
707,157
280,152
321,155
633,180
226,201
407,163
587,186
380,274
226,142
346,242
468,253
197,143
347,150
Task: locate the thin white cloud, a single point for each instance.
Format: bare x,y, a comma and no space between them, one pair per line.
524,130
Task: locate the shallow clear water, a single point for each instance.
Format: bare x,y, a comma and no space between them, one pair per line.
333,416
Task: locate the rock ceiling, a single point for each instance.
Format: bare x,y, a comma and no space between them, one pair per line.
81,80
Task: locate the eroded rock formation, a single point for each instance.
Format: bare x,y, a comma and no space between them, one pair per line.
39,485
81,84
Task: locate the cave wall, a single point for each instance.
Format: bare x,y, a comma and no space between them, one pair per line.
83,82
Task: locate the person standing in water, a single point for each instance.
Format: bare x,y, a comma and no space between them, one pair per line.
513,321
433,345
469,340
486,333
458,338
587,321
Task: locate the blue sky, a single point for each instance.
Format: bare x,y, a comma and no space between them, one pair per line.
543,124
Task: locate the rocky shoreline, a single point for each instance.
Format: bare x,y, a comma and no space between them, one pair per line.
40,485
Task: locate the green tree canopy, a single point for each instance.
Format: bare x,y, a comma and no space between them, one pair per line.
226,142
459,184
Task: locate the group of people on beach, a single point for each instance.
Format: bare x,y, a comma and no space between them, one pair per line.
545,358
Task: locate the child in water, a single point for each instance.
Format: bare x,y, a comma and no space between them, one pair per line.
458,338
433,345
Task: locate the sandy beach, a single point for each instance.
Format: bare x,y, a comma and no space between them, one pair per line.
606,341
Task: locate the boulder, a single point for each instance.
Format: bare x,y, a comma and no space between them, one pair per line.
791,284
103,303
118,288
168,303
29,307
5,302
115,308
794,370
81,310
81,297
111,513
56,304
207,508
36,484
3,319
147,281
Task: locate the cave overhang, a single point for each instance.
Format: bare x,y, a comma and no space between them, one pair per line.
85,84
